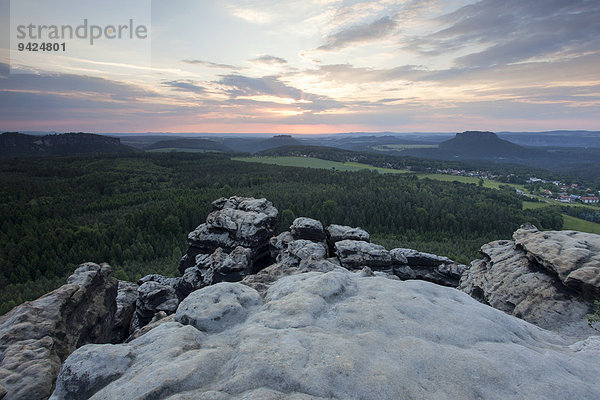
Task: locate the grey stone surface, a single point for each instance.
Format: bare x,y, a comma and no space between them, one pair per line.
298,250
308,229
398,257
355,254
37,336
316,264
218,307
338,335
573,256
262,280
508,280
109,364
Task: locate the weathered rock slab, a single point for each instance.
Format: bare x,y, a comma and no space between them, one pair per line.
301,249
508,280
336,233
338,335
573,256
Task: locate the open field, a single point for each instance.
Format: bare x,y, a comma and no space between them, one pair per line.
308,162
577,224
551,202
178,149
468,179
529,205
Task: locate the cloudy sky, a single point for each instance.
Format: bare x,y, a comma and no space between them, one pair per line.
323,66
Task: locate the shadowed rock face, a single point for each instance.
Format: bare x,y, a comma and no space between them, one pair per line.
37,336
336,335
429,267
126,299
543,277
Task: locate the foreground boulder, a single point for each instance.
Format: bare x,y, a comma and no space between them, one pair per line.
527,283
337,335
236,221
37,336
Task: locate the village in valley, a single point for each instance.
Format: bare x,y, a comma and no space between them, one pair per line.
563,192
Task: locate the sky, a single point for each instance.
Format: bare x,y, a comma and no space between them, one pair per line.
316,66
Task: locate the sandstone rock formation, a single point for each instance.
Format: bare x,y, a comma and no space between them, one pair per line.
37,336
573,256
231,244
336,335
237,221
522,278
316,313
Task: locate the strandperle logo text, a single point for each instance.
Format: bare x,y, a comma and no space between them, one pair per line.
84,31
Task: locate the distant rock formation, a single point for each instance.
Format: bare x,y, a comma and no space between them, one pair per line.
547,278
37,336
477,143
336,335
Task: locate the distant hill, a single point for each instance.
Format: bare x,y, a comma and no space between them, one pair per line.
14,144
254,144
481,144
487,146
554,138
188,144
277,141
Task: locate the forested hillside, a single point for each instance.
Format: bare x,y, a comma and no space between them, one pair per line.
134,211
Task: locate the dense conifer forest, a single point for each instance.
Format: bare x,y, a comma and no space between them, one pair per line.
134,211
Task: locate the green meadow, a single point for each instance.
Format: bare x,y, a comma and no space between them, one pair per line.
308,162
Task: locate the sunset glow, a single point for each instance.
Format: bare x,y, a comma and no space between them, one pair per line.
325,66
